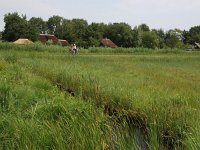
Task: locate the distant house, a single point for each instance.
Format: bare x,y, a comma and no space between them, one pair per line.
44,38
63,42
23,41
197,45
108,43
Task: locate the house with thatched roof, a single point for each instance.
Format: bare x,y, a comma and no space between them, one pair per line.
44,38
197,45
108,43
63,42
23,41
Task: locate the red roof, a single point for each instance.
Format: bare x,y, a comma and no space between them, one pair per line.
63,42
44,38
108,43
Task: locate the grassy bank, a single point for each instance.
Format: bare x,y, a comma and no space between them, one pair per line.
92,50
99,100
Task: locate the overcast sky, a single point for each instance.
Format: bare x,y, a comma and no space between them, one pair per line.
165,14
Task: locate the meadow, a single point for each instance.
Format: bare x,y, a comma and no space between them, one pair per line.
99,99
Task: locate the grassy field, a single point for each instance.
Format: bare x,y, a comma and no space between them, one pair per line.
98,99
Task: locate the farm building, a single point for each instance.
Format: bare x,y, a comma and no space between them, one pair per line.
23,41
108,43
63,42
197,45
44,38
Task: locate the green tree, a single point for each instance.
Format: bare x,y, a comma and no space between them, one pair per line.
161,37
186,37
0,36
54,25
136,40
143,27
75,31
194,34
79,30
30,32
39,24
140,35
67,31
149,39
173,39
95,32
121,34
15,26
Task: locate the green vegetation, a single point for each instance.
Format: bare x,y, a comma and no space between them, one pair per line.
89,35
52,100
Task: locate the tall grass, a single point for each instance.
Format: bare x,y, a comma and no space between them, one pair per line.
35,114
37,46
121,50
119,100
144,96
32,47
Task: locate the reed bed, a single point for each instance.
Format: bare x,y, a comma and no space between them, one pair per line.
52,100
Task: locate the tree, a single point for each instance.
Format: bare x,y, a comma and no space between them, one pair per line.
0,36
136,37
149,39
75,31
161,37
31,32
39,24
173,39
66,31
194,34
186,37
121,34
15,26
54,25
95,32
79,29
143,27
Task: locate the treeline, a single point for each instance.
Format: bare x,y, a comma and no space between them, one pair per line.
86,35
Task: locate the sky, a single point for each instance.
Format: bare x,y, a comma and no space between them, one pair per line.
165,14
